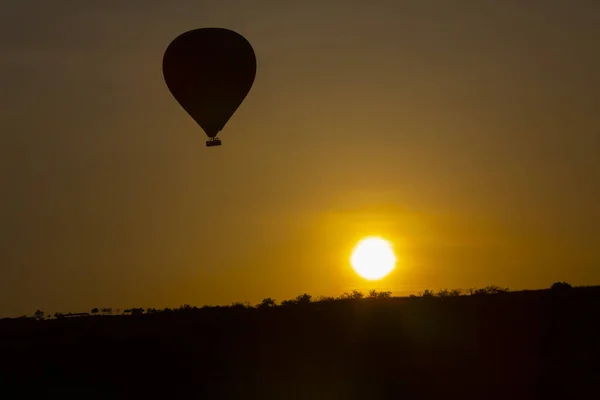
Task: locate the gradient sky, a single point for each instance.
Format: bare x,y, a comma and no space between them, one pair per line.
467,133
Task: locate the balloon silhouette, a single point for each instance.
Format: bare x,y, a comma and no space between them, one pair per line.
209,71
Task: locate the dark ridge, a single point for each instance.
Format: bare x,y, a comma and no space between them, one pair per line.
509,345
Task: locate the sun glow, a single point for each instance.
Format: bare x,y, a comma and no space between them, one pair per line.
373,258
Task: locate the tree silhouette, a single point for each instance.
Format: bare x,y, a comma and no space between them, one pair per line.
325,298
373,295
95,311
38,315
241,304
267,303
134,311
186,308
354,295
303,298
490,290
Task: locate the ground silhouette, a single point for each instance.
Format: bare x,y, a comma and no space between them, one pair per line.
480,343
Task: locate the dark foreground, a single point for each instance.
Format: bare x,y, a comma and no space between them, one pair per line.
520,345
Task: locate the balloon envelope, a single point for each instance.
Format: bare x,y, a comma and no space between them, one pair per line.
209,71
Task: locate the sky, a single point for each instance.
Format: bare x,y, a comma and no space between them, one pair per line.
466,133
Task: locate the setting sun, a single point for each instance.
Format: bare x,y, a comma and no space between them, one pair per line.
373,258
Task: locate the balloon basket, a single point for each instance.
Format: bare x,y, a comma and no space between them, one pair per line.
213,142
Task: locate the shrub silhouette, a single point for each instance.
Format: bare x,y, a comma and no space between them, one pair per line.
374,295
490,290
560,286
354,295
321,299
134,311
304,298
288,303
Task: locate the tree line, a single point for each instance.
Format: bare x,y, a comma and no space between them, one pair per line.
301,299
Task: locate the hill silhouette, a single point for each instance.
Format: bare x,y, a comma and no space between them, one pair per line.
483,343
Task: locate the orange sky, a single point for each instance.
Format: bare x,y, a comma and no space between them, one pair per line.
468,135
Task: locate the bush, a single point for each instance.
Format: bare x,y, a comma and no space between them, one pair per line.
560,286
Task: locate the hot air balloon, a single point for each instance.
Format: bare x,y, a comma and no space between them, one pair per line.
209,71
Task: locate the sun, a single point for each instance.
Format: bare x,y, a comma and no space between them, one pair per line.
373,258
